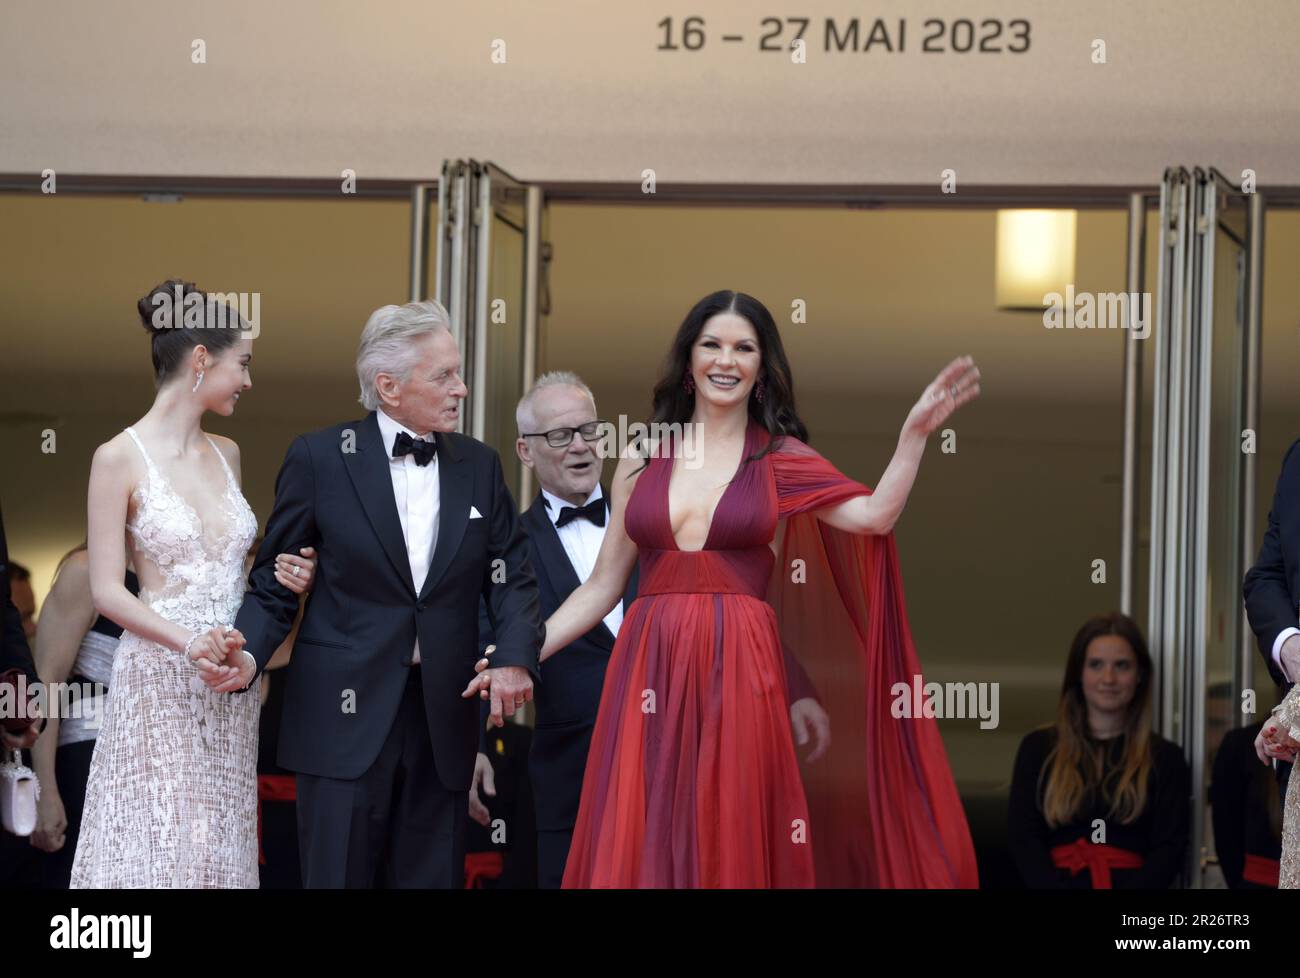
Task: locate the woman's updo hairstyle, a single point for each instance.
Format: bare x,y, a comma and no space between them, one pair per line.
179,316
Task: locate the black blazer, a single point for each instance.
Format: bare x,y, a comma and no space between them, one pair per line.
568,695
350,662
1272,587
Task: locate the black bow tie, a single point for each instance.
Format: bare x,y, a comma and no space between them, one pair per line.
423,450
593,511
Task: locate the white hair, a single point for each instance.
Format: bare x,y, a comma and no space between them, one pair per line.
525,418
386,345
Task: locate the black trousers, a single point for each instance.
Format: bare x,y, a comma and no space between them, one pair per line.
395,826
552,854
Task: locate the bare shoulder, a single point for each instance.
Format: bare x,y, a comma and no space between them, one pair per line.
791,445
74,571
118,454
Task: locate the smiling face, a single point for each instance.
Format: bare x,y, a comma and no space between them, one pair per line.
226,375
1110,674
429,397
570,472
725,360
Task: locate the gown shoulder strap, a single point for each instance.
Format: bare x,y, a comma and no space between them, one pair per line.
140,445
230,475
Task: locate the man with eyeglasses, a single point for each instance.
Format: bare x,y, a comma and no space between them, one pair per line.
559,435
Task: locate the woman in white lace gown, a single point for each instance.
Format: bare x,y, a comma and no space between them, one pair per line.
172,795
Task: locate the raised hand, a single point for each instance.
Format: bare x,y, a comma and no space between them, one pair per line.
957,384
297,573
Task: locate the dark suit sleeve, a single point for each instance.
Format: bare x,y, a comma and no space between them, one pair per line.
269,607
486,637
14,652
796,678
1270,606
513,608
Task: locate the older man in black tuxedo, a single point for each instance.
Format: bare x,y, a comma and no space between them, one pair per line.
413,525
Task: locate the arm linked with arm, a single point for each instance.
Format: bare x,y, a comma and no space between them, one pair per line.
269,608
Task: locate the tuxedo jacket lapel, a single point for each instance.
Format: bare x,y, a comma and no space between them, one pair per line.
549,549
455,492
368,468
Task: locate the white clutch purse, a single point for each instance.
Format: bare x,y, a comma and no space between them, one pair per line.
19,789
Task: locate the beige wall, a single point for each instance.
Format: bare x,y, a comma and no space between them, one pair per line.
310,87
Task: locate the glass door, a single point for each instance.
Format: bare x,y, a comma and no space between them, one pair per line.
488,273
1203,468
1225,336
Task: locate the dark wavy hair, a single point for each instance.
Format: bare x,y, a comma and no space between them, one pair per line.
776,412
1074,766
174,333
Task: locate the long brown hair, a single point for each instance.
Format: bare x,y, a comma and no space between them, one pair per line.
1074,767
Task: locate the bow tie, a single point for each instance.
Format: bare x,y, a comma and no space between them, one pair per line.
594,511
423,450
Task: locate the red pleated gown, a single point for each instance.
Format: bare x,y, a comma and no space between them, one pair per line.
692,779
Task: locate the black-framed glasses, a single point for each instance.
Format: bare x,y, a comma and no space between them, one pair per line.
559,437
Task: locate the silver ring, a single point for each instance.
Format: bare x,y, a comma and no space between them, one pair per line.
952,391
295,570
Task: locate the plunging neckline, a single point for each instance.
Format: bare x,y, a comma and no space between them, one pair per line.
668,496
223,506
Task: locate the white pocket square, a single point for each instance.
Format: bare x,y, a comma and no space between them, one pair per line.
474,514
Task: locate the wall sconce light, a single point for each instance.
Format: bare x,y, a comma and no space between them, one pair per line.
1035,256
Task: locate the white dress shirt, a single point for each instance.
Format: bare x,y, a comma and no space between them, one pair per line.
415,490
582,539
1282,636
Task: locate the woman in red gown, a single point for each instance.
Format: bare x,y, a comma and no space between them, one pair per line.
763,569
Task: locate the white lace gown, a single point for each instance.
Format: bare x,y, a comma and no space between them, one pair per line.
172,795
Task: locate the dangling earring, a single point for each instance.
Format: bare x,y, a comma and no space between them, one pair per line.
197,382
759,391
688,383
